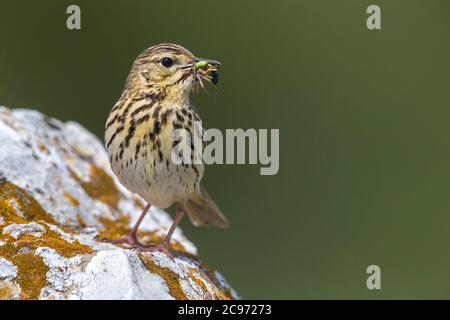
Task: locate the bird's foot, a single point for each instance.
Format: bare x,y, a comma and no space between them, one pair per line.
129,240
163,247
132,241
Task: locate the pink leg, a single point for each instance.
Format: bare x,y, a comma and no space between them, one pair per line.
134,231
164,246
130,238
178,216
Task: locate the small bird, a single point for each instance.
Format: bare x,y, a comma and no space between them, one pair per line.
139,137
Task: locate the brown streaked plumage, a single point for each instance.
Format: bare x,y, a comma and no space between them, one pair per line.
139,137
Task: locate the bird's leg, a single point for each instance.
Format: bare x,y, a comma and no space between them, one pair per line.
131,238
178,216
133,232
164,246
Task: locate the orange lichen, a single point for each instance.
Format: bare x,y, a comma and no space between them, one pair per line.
18,207
7,250
223,294
5,292
170,277
31,271
100,186
30,209
115,228
7,289
153,237
192,273
220,292
74,201
43,148
81,222
138,203
53,240
31,274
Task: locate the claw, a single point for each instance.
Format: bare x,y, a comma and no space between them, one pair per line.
128,239
133,242
160,247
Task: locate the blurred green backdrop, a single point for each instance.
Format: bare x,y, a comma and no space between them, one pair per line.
363,115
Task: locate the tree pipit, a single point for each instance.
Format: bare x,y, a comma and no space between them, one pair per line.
139,137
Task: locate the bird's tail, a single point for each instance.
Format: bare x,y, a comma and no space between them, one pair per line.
203,211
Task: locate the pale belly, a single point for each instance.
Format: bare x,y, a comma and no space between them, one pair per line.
160,183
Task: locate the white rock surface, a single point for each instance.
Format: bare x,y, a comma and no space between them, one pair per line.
17,230
57,193
7,269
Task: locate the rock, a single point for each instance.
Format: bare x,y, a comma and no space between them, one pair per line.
57,193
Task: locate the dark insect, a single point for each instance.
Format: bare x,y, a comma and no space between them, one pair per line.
207,71
214,77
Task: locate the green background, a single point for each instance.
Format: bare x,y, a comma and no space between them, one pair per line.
363,116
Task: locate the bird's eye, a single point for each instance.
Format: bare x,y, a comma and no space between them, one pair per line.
166,62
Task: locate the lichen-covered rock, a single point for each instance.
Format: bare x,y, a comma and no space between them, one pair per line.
57,194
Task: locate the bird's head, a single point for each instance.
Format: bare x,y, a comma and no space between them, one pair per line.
173,69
